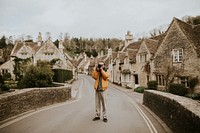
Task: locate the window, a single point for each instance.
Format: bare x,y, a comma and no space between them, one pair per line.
136,79
129,77
160,79
147,78
177,55
143,57
184,80
4,71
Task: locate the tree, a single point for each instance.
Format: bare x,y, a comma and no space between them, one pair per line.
196,20
29,38
66,40
191,20
20,67
37,76
156,32
56,42
3,42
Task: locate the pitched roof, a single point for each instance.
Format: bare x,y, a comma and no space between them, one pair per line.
134,45
122,56
191,33
132,55
30,45
159,38
92,62
152,45
114,55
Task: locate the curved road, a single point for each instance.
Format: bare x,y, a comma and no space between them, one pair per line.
75,116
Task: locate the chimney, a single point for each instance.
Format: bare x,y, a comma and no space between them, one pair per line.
109,52
128,38
60,46
39,39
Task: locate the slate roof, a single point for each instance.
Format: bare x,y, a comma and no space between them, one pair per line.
193,34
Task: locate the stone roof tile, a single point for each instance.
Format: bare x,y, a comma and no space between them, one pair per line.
193,34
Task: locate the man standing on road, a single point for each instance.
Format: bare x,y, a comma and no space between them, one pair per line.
101,84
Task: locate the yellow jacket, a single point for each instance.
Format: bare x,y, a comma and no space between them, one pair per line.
105,78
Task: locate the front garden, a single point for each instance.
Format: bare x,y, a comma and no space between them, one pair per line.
31,76
177,89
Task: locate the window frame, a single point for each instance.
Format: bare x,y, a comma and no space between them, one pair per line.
177,55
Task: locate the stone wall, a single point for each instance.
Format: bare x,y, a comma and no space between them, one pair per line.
181,114
20,101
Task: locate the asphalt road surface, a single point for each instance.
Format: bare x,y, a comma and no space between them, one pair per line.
125,114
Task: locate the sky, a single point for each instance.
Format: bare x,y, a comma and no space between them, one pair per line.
91,18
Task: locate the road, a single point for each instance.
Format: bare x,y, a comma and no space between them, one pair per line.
125,114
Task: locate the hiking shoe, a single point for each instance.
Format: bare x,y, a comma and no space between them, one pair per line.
105,119
96,118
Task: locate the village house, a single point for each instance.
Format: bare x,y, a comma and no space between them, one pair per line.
178,56
38,51
170,57
83,64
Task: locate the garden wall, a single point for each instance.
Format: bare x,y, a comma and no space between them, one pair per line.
20,101
181,114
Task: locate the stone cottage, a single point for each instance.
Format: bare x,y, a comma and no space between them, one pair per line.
178,56
38,51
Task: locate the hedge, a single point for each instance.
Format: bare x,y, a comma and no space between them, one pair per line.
61,75
178,89
152,85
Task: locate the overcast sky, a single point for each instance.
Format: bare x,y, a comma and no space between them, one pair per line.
90,18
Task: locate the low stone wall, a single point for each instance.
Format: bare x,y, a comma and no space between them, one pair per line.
181,114
20,101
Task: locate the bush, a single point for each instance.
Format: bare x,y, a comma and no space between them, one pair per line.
193,82
37,76
140,89
194,96
6,76
152,85
2,82
178,89
61,75
5,87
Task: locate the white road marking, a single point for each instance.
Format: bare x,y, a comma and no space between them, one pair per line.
146,119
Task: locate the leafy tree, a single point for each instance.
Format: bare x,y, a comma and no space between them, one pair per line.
37,76
56,43
192,20
3,42
1,80
196,20
6,76
20,67
94,53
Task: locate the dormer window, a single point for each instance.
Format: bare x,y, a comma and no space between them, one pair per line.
177,55
143,57
24,53
48,54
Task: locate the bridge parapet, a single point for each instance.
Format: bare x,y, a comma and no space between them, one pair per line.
181,114
20,101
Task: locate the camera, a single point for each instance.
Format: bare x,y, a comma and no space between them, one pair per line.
100,65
